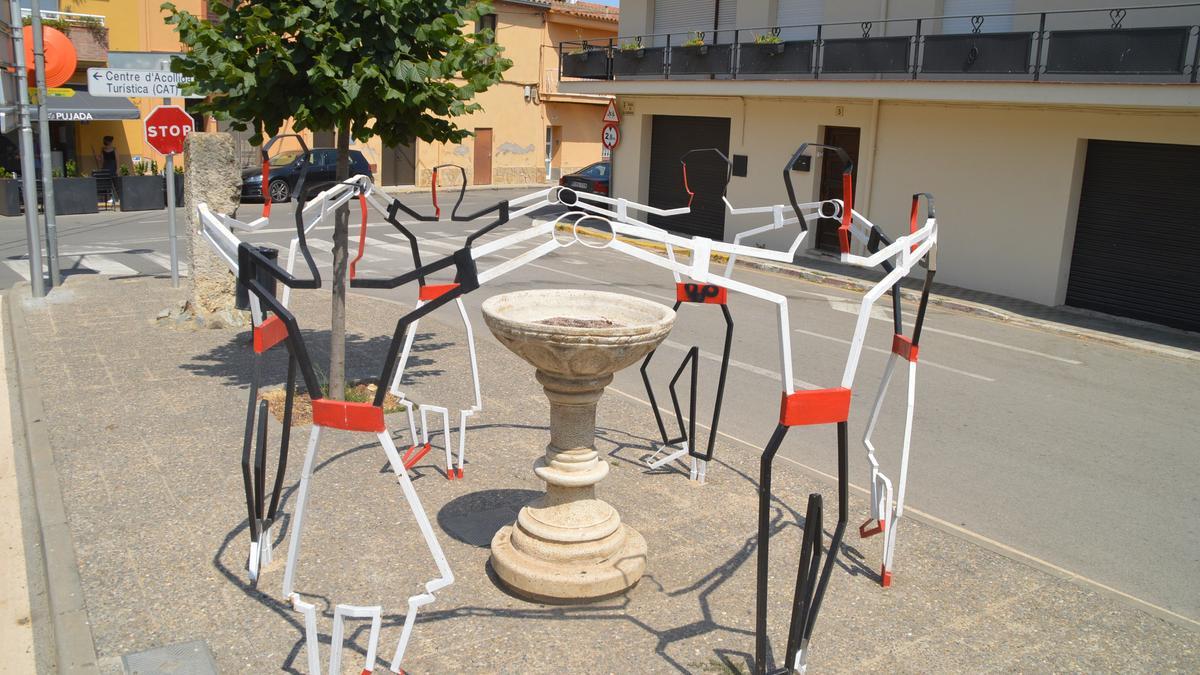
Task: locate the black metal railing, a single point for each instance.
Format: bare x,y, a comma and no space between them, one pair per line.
1159,43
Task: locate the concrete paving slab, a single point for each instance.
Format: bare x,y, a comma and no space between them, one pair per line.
149,475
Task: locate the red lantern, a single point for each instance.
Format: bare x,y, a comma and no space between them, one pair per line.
60,55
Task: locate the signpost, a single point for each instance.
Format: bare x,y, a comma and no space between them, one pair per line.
610,136
166,128
146,83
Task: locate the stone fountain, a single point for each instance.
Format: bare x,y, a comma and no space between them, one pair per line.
567,544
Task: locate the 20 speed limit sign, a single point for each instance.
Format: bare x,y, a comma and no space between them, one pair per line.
611,136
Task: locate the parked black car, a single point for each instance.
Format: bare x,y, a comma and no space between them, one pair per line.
285,171
592,178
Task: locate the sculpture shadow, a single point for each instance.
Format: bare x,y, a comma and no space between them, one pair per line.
233,362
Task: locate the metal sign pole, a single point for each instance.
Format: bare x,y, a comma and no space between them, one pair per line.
171,214
39,61
28,174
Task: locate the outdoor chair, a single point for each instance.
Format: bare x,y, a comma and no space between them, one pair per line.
106,189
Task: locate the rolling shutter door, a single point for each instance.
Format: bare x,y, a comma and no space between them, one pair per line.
682,16
991,24
671,137
799,13
1137,233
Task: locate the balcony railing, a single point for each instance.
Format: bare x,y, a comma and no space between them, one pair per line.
73,18
1158,43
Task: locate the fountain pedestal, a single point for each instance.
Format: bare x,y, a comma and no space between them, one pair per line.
569,544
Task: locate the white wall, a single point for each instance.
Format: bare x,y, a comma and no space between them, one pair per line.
1006,179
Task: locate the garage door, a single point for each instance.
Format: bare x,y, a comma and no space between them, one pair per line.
672,136
1138,233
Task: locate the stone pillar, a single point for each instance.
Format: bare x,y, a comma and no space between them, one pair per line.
213,178
569,545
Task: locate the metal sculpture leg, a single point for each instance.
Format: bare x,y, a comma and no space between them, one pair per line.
823,406
446,576
884,511
685,443
261,514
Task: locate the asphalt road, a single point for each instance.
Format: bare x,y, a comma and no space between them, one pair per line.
1080,454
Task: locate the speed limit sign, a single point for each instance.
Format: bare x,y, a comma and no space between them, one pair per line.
611,136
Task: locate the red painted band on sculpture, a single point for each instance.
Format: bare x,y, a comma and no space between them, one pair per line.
437,210
266,187
434,291
269,333
347,415
362,235
818,406
691,195
847,212
904,348
709,294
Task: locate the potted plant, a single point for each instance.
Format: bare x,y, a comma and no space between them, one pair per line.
72,192
144,190
178,185
696,57
586,60
634,59
771,54
10,193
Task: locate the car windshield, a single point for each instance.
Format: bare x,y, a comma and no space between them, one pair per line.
284,158
599,170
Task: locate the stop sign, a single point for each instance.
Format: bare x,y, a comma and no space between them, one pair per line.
166,127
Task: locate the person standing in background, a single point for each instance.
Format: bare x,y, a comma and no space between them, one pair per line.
107,159
107,163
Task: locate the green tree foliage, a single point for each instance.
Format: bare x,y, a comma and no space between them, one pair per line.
396,69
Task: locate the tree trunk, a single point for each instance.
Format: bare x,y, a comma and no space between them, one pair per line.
341,235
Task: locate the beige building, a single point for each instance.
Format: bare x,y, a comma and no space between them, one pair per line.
1062,146
529,131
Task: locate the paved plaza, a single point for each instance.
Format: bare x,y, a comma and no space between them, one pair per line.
145,422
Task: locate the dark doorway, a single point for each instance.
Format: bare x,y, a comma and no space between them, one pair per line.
483,157
399,165
324,139
671,137
845,138
1136,235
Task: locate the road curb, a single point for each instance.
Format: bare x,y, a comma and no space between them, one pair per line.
946,302
74,645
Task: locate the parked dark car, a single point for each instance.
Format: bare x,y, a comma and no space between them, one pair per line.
285,171
593,178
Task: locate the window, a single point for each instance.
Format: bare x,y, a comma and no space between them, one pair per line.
964,9
487,22
598,170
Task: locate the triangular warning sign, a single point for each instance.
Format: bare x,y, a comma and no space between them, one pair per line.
611,115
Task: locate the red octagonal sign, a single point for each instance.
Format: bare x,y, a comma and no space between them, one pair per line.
166,127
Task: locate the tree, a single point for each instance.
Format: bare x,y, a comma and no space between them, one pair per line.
396,69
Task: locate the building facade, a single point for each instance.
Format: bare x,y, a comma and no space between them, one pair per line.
1062,145
529,130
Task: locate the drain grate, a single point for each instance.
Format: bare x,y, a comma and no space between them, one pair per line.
185,658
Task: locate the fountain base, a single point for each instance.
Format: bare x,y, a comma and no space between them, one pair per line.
559,581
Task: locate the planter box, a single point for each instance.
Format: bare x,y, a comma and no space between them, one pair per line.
646,61
782,57
10,197
178,189
143,193
75,195
591,63
702,60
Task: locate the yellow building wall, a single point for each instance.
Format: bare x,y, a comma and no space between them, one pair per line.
1006,178
133,26
518,121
